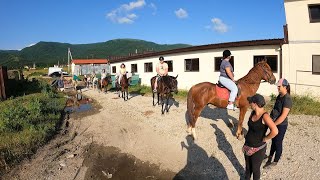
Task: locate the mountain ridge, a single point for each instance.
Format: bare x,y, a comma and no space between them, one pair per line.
45,54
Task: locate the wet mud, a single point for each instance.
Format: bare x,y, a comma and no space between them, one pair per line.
110,163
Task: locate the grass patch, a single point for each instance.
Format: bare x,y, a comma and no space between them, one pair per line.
306,105
28,121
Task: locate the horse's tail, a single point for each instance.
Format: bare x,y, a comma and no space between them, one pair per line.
190,106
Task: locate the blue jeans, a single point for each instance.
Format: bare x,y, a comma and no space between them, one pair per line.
228,83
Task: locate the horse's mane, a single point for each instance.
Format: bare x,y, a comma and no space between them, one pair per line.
253,76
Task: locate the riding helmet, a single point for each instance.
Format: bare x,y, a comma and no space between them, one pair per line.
161,58
226,53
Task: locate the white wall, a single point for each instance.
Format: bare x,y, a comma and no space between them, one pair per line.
243,62
304,41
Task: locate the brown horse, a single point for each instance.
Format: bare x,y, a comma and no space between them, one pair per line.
124,84
103,84
166,85
206,93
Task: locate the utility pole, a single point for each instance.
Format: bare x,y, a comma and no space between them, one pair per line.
69,57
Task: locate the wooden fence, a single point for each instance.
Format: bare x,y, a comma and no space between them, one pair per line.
3,82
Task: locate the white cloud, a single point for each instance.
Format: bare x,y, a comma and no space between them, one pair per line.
154,7
134,5
123,15
181,13
219,25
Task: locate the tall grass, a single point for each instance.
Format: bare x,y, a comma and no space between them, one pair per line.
28,122
305,104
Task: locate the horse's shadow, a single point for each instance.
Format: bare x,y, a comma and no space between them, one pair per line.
172,101
199,164
135,93
221,113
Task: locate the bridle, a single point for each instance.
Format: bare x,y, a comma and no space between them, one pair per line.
266,73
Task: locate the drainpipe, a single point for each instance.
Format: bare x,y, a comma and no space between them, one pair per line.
280,72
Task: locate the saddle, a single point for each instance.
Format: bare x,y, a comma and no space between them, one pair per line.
224,93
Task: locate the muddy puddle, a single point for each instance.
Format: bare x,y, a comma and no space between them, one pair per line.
109,163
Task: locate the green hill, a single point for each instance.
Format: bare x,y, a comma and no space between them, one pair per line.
49,53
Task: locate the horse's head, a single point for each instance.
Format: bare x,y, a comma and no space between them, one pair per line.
266,72
174,84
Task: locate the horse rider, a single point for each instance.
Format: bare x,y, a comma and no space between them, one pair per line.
103,76
122,72
226,78
162,70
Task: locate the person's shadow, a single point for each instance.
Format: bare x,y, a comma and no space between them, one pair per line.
227,149
199,164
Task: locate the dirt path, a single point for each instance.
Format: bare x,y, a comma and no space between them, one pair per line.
132,140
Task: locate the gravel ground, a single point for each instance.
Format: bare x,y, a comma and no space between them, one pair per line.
138,129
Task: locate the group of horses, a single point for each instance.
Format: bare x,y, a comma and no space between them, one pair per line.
121,88
204,93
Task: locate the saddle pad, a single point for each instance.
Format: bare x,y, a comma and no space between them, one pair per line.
222,93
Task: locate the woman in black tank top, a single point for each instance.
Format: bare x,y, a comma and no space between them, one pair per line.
255,143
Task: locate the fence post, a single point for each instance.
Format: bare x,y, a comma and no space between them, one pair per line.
3,82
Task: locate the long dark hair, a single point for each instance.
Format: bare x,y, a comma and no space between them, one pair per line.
288,88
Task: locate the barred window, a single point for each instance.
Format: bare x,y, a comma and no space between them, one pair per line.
148,67
134,68
316,64
217,63
170,66
192,65
272,61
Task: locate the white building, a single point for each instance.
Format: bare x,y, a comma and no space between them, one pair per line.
296,57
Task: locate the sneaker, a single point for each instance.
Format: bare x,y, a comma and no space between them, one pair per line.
269,164
235,108
230,107
154,90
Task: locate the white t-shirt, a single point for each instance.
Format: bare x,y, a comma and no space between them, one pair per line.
162,67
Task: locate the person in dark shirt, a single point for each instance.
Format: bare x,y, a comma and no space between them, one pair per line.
255,141
279,114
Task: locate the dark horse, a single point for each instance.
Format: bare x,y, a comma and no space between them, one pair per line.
103,85
165,85
206,93
123,87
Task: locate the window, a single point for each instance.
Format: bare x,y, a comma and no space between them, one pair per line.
217,63
316,64
134,68
170,66
314,13
191,64
148,67
114,69
272,61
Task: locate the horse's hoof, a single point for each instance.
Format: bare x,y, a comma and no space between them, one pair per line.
240,137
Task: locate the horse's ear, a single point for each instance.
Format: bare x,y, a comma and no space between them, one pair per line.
176,76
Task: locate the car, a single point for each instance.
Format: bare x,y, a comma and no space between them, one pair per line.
58,74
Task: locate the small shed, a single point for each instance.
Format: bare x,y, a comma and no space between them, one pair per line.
88,66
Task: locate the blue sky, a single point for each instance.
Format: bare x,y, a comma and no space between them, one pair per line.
26,22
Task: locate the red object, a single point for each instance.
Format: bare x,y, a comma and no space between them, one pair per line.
90,61
222,93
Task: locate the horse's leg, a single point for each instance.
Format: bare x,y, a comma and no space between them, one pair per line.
196,114
158,94
153,99
162,103
243,111
167,107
